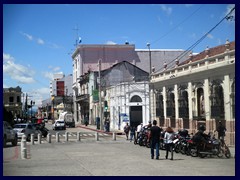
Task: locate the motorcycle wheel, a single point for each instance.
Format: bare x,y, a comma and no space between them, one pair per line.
227,153
202,155
177,148
193,152
220,153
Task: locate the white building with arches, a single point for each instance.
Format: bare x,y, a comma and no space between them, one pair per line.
200,90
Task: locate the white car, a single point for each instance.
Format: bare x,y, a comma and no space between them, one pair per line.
9,135
59,124
27,129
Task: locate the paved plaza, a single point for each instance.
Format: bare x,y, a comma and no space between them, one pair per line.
107,157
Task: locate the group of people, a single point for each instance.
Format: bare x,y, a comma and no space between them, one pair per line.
155,133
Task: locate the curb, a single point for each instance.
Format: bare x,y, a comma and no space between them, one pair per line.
101,131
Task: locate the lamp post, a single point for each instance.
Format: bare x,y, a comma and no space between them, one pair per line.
150,72
99,94
32,104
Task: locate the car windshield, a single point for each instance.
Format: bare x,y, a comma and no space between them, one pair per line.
60,122
20,126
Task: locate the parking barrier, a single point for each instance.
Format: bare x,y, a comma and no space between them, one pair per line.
23,147
57,137
66,136
78,136
32,139
96,136
114,136
49,137
39,138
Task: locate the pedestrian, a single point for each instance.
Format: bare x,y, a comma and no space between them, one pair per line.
149,124
132,133
126,130
221,131
168,138
154,139
107,124
139,128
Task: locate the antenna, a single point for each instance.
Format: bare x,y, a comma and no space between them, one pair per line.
76,29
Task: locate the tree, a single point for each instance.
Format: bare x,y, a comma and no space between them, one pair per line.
8,116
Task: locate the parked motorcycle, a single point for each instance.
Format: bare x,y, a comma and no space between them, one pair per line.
210,147
43,129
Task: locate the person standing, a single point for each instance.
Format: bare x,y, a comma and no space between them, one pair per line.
221,131
126,130
139,128
168,138
154,138
132,133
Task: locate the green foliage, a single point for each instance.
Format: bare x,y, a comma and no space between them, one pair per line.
8,116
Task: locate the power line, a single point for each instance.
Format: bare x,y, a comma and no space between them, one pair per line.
227,17
176,26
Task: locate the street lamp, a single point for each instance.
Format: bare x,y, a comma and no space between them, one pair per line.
32,104
150,72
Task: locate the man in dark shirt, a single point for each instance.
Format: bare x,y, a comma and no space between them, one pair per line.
155,132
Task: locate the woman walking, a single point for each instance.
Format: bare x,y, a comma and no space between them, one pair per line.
168,138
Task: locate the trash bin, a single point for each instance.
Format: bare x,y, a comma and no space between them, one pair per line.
98,122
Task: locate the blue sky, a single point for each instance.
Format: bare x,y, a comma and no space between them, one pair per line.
38,39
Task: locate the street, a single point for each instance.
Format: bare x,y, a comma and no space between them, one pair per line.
107,157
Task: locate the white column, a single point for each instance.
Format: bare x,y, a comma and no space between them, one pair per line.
164,102
227,100
190,104
176,101
206,99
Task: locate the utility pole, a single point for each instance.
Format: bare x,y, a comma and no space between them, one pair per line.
150,72
99,94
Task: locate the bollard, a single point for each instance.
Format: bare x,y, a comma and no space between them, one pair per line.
23,147
78,136
57,137
114,136
96,136
39,138
49,137
32,139
66,136
23,141
24,153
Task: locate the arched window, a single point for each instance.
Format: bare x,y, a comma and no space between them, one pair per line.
136,99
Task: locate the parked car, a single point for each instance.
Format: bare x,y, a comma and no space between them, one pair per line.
9,135
59,124
27,129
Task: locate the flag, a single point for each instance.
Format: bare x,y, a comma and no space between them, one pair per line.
79,40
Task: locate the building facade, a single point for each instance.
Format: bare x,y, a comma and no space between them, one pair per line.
86,59
200,90
12,101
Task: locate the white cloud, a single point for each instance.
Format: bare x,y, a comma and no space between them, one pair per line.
7,57
166,9
210,36
17,72
28,36
48,75
40,41
56,69
110,42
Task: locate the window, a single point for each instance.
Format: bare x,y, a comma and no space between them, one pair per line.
136,99
11,99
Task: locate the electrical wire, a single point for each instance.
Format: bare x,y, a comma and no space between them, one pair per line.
200,40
